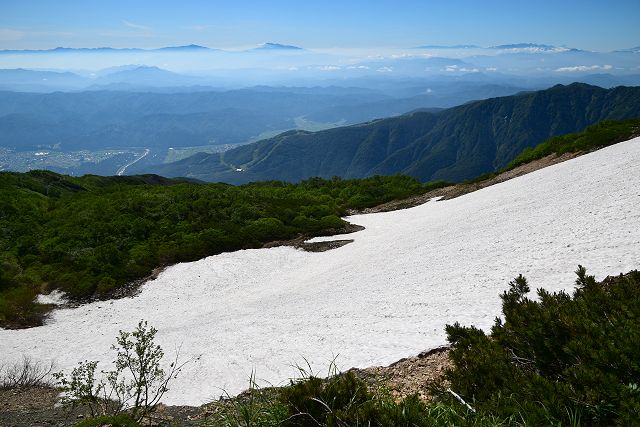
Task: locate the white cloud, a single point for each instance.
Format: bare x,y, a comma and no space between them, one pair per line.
385,69
411,55
456,68
535,49
357,67
136,26
329,68
583,68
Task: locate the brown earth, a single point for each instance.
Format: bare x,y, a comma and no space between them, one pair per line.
413,375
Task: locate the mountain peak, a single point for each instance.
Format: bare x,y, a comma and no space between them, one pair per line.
632,50
277,46
191,47
531,48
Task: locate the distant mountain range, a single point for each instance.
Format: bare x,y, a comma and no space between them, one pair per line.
531,47
99,119
631,50
188,48
454,144
515,47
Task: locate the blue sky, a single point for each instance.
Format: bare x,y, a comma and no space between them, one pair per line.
586,24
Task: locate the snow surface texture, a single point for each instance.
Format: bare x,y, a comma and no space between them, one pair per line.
385,296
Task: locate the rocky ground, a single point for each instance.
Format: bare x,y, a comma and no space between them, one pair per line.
413,375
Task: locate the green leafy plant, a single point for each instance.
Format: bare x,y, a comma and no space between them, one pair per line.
136,385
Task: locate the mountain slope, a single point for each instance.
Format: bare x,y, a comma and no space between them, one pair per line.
402,279
455,144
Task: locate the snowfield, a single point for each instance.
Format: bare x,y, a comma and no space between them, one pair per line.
385,296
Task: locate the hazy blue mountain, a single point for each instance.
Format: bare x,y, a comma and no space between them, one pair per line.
33,81
191,47
277,46
454,144
187,48
99,119
630,50
147,76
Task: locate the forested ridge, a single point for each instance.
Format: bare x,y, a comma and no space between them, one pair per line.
455,144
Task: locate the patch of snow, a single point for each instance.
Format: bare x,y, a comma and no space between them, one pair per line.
385,296
55,297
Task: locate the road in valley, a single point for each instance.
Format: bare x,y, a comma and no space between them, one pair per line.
124,168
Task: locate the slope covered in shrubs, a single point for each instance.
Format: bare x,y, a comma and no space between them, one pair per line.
597,136
90,236
557,358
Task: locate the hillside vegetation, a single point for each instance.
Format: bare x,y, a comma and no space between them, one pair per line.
90,236
453,145
594,137
600,135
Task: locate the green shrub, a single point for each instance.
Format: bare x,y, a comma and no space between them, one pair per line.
121,420
599,135
557,359
339,401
